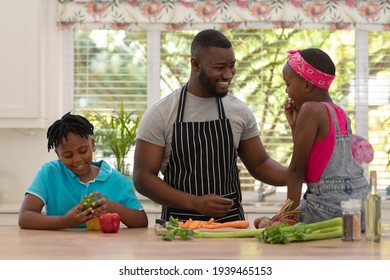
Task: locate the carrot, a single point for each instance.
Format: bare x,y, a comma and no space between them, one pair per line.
233,224
196,224
211,224
188,223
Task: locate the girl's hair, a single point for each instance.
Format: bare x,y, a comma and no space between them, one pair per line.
68,123
319,60
209,38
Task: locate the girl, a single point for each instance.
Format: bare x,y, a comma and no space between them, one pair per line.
59,185
322,155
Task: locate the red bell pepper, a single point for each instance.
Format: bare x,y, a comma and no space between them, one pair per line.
110,222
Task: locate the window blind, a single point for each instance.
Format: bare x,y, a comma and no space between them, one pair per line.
109,68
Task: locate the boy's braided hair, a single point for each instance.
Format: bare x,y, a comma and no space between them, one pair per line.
68,123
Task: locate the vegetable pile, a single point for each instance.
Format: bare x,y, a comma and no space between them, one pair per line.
282,233
175,228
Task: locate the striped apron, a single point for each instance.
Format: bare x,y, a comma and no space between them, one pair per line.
203,161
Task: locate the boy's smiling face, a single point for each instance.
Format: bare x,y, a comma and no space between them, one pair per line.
76,153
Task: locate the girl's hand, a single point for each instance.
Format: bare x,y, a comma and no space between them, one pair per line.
291,112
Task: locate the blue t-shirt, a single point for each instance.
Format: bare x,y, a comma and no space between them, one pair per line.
60,189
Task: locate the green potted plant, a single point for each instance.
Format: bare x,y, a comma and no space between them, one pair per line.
116,133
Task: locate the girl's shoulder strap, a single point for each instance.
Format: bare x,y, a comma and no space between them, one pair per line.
333,115
335,120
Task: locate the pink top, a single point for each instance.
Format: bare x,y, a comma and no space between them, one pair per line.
322,150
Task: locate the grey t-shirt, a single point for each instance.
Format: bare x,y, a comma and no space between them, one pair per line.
156,126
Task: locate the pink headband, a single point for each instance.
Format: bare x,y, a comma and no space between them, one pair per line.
308,72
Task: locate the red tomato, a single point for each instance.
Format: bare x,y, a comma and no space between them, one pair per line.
110,222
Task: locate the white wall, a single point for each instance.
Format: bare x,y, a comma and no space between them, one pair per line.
23,150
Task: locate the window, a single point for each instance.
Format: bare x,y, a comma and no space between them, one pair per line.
113,66
109,68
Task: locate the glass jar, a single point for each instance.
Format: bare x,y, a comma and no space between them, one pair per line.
351,214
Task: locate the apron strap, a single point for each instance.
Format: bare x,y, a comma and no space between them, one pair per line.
180,110
221,110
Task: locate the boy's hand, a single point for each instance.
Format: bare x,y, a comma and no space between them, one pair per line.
77,216
101,206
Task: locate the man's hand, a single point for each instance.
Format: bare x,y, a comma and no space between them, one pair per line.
213,205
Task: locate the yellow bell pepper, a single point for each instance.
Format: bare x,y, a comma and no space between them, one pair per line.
93,224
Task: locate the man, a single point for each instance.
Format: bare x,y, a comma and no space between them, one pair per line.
193,136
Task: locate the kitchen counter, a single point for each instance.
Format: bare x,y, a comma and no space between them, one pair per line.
144,244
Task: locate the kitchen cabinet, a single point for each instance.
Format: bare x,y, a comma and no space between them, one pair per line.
20,70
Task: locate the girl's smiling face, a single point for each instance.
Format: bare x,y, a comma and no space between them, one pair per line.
76,153
296,86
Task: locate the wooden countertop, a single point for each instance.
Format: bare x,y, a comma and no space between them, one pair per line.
144,244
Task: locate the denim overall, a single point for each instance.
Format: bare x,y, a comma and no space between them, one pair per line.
342,179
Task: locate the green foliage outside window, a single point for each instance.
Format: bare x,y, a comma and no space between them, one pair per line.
111,67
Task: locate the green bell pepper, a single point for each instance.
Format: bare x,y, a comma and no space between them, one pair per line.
88,199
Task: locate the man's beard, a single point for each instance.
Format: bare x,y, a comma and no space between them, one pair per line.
209,86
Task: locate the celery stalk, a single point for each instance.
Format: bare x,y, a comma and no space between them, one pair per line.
331,228
334,233
228,234
320,225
